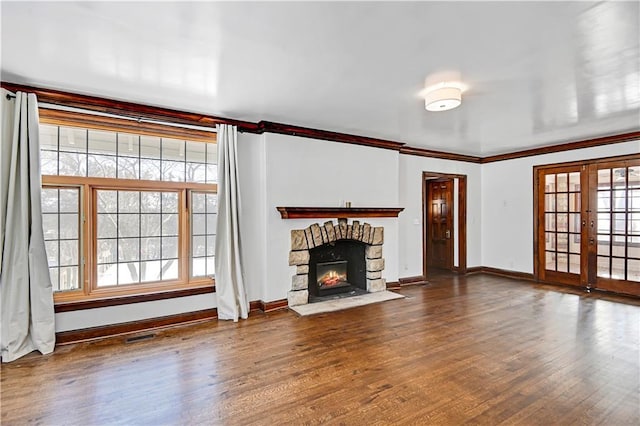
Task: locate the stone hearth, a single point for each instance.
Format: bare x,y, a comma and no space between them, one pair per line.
316,235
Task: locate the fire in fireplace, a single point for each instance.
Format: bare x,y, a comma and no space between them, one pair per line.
331,275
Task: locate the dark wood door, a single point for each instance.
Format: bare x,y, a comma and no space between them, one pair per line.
440,224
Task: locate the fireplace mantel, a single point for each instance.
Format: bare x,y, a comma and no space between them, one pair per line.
337,212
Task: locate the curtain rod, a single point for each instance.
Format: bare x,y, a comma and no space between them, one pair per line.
135,118
10,96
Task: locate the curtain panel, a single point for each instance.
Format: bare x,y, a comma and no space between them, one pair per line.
26,294
230,289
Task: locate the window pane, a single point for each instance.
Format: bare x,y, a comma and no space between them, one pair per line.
128,145
604,179
107,201
633,178
198,224
196,152
69,253
128,168
150,202
128,225
550,183
107,251
49,163
69,278
102,166
128,273
150,225
150,271
72,164
69,225
149,147
633,270
149,248
211,245
52,252
574,181
196,172
197,202
169,202
50,226
128,249
128,201
107,225
212,203
212,173
173,171
149,169
169,269
173,149
48,137
199,246
169,247
101,142
73,139
212,153
69,200
49,200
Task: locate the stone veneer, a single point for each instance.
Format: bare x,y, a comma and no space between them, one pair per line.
317,235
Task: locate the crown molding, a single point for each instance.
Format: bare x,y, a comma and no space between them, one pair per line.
110,106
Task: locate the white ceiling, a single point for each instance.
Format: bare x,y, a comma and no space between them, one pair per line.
538,73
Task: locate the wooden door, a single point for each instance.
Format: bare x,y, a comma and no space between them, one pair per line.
440,224
588,228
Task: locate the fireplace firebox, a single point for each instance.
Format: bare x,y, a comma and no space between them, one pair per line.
332,277
337,268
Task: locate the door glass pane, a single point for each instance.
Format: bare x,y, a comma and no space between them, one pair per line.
574,181
604,179
633,270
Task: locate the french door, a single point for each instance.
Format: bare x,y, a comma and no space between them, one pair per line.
588,224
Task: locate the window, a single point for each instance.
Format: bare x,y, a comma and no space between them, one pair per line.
126,212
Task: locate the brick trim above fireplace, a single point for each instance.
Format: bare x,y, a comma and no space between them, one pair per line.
316,235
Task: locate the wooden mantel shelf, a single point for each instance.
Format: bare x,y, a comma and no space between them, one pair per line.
337,212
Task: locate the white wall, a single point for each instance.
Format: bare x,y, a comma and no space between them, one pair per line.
309,172
507,204
410,191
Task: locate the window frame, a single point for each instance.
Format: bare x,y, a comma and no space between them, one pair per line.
88,187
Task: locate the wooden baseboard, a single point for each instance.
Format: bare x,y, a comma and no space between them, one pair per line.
113,330
501,272
412,280
393,285
274,305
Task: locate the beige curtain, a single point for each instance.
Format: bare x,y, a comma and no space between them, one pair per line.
230,290
26,296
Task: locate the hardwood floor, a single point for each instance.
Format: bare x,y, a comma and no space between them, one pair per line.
479,349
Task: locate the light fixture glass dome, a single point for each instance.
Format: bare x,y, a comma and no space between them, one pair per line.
443,98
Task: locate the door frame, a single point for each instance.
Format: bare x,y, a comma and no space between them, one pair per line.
537,267
461,215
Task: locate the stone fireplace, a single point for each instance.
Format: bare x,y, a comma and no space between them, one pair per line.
340,252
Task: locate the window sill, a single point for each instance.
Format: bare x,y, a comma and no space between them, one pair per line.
128,299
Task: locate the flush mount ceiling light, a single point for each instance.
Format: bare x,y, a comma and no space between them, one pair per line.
443,97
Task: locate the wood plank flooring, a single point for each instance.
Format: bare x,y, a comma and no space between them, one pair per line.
478,349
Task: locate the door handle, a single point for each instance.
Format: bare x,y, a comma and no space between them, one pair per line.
447,234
